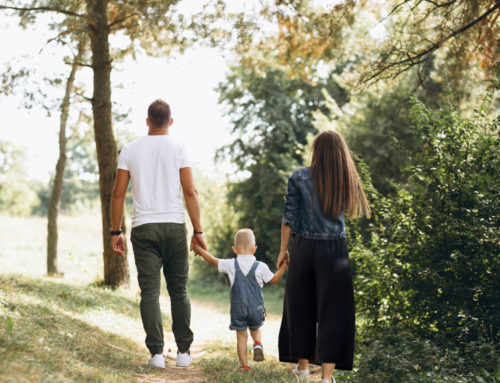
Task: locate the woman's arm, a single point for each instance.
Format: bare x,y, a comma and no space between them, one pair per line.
291,217
285,239
206,255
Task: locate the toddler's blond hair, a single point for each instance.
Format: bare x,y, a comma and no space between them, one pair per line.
244,240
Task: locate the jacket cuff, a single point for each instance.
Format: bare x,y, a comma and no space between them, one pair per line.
286,222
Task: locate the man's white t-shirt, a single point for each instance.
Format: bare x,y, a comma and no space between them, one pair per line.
154,163
262,273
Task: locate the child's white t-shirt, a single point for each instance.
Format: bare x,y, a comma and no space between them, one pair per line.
262,273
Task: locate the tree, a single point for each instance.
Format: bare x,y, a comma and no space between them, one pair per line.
150,23
377,125
55,197
272,117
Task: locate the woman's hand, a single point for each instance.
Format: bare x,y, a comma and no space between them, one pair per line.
283,257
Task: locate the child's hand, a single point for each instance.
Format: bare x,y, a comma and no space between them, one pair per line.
197,249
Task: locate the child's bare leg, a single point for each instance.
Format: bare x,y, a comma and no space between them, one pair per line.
241,345
256,335
303,364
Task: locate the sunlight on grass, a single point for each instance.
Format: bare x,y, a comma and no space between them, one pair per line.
46,337
224,369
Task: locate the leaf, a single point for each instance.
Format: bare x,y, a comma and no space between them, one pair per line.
9,324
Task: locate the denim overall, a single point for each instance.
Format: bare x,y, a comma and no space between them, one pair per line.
247,301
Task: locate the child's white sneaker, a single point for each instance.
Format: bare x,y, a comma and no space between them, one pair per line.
300,373
258,352
183,360
329,381
157,360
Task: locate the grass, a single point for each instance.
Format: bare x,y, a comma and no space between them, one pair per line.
23,247
224,369
71,330
55,332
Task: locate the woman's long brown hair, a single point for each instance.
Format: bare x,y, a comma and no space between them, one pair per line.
336,180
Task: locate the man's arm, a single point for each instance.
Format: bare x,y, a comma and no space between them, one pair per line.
279,274
207,256
117,206
192,206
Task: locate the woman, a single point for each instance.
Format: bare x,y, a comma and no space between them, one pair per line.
318,313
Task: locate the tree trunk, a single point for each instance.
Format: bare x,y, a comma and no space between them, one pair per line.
55,195
115,267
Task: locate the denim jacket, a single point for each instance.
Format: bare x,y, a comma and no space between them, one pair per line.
306,217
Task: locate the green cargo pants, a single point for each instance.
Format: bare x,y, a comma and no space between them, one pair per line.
156,245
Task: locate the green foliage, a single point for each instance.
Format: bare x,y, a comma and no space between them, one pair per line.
272,117
16,192
405,358
430,262
380,131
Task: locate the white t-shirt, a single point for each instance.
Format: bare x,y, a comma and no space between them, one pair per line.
154,163
262,273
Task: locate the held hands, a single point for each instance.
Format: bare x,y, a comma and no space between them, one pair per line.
283,259
118,245
197,240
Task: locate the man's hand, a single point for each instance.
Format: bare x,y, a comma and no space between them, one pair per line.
197,239
118,245
283,257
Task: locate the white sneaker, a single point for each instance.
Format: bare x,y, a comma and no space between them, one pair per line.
157,360
300,373
329,381
183,360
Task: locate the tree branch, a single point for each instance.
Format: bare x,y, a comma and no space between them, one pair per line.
43,9
121,20
80,94
63,33
78,63
437,5
419,57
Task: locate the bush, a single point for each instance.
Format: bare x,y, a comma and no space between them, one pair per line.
430,263
406,358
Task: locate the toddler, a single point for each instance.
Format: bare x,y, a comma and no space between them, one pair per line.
247,277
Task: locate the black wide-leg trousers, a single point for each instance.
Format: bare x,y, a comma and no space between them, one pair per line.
318,310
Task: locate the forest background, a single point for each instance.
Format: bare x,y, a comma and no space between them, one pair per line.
413,85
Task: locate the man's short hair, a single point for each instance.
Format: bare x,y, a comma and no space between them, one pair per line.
159,113
244,239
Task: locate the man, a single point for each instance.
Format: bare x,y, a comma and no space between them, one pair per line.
158,168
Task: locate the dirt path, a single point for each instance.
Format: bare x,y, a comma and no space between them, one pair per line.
209,324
